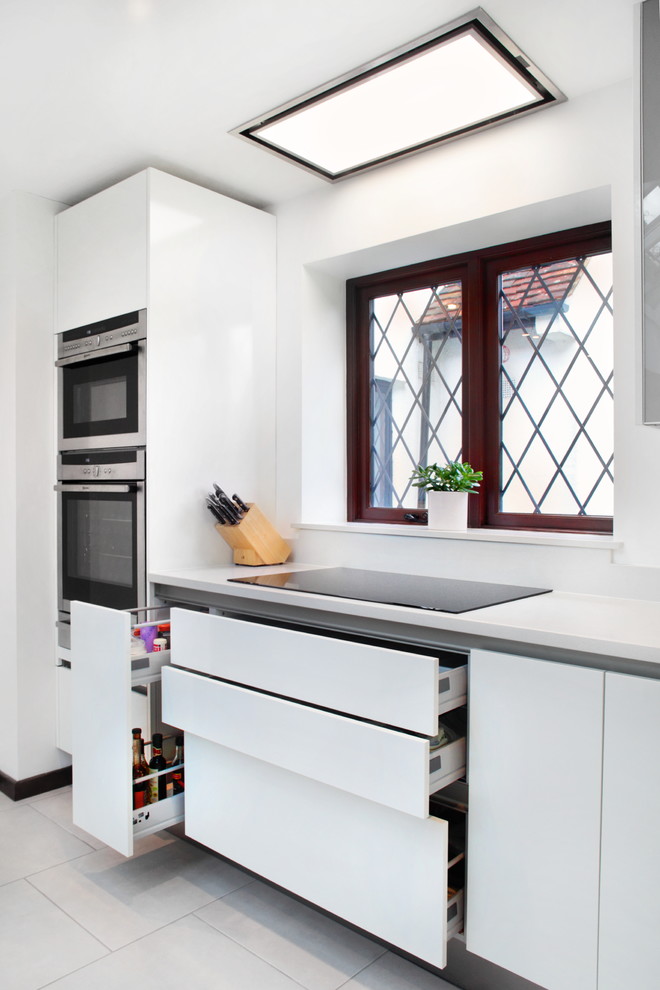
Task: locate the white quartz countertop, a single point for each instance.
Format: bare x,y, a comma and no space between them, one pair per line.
611,627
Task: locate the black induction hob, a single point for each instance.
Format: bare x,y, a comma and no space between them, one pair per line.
436,594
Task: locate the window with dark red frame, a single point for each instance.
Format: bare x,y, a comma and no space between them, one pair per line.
500,357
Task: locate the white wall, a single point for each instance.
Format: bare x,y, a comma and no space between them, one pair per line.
563,167
27,513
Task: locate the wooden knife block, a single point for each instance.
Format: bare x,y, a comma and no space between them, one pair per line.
254,540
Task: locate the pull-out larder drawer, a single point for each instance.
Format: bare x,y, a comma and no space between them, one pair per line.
103,715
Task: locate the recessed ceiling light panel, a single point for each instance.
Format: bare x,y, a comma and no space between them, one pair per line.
465,77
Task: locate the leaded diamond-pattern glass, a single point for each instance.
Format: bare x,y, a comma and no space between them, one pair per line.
556,398
415,388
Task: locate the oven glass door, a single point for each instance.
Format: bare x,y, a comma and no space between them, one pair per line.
101,548
101,402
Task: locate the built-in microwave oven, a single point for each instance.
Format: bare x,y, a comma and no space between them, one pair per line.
102,384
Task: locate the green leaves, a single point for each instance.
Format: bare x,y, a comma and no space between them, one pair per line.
453,477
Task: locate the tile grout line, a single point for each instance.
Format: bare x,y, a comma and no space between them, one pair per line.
263,959
362,969
241,946
109,949
65,829
69,916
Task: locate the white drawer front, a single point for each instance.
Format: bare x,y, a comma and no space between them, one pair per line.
375,867
385,685
382,765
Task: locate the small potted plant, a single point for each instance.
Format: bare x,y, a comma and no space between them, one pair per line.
447,489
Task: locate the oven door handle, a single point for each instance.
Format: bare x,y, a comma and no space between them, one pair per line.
102,352
84,487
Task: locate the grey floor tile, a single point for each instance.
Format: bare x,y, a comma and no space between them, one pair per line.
187,954
57,807
38,942
6,802
67,789
31,842
392,972
119,900
314,950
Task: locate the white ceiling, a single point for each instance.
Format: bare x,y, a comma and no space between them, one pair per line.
92,91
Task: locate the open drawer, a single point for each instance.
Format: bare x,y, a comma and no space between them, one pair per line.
381,870
384,765
385,684
103,699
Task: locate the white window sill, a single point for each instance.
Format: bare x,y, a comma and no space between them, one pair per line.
589,541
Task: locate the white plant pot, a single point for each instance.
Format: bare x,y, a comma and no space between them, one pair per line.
447,510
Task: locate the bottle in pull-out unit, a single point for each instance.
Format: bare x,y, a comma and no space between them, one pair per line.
177,775
141,788
157,762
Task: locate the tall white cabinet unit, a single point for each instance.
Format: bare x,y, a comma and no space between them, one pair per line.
203,265
535,770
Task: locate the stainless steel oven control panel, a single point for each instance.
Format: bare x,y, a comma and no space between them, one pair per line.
102,465
107,333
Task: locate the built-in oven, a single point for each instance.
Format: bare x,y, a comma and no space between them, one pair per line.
101,531
102,384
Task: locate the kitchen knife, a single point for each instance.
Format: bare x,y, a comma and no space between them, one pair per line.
230,510
240,503
215,512
220,508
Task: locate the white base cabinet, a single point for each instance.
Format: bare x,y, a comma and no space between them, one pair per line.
330,804
535,767
629,953
325,803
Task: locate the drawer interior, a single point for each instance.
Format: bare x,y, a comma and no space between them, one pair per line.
453,812
452,688
447,756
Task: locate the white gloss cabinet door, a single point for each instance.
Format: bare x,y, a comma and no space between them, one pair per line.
630,877
102,255
535,772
